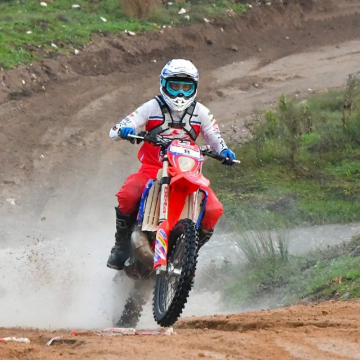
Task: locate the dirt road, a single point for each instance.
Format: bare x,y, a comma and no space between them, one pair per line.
55,141
59,173
329,331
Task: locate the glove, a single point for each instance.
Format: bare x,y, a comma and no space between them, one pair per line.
230,155
125,131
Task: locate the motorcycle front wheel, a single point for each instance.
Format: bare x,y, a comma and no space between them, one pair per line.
172,288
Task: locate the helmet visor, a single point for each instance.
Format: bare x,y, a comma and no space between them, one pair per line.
185,88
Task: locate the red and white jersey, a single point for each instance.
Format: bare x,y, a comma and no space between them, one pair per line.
150,115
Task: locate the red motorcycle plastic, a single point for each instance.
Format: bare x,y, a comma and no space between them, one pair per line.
165,240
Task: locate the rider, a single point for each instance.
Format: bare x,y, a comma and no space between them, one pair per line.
173,114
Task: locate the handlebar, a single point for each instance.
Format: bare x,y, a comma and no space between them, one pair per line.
159,140
217,156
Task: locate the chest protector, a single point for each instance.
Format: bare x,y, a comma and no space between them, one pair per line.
168,122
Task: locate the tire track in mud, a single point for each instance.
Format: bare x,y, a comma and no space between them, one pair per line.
335,346
322,348
257,86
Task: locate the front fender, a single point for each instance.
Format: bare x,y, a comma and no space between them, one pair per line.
189,182
182,185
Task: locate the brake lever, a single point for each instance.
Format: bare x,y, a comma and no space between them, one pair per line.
136,138
142,134
150,138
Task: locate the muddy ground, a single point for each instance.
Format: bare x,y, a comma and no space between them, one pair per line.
59,173
329,331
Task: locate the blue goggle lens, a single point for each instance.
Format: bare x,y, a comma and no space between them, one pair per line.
175,88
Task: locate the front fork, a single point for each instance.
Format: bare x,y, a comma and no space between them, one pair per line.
162,240
163,231
165,190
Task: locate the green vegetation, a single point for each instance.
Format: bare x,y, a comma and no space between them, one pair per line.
320,275
267,266
302,166
28,30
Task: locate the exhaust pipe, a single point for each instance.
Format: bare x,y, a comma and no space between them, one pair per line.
141,247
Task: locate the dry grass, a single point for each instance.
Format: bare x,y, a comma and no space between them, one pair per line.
139,9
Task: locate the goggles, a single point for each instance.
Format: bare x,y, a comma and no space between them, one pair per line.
185,88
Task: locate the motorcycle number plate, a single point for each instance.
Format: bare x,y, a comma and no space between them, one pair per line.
185,151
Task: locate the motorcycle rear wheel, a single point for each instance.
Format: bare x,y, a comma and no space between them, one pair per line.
137,298
172,289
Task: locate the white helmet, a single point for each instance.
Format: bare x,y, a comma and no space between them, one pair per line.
179,80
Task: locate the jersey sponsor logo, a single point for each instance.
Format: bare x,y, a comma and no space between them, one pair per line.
176,133
222,144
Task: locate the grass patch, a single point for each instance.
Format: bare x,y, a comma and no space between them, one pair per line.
302,166
320,275
266,266
28,30
330,273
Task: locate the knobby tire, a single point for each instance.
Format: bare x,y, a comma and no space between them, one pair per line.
131,314
185,231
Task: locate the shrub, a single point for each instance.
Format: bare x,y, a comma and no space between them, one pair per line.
261,247
353,127
139,9
351,90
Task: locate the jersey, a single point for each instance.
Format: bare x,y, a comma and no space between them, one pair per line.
149,115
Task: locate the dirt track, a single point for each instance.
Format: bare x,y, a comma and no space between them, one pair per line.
53,139
57,163
330,331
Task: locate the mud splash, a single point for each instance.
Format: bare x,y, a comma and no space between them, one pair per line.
59,283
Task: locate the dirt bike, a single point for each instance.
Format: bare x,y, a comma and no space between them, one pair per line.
165,239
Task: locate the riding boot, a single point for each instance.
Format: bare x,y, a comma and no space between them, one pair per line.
204,236
121,250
